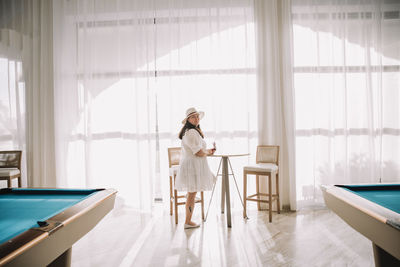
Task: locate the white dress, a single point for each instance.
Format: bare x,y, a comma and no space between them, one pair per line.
193,175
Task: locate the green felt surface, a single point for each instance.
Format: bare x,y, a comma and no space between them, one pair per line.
20,209
386,195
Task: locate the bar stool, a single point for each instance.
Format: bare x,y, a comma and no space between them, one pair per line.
267,164
10,166
174,155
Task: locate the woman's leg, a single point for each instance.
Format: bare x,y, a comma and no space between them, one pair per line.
190,207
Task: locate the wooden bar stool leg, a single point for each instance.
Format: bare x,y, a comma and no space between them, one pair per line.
9,182
270,197
19,182
244,193
170,196
176,206
202,205
277,194
258,191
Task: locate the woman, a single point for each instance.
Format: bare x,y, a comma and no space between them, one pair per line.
193,175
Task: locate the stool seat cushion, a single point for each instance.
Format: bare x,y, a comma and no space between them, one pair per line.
6,172
173,170
261,167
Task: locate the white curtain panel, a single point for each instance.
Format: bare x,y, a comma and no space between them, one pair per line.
125,73
275,91
26,93
347,80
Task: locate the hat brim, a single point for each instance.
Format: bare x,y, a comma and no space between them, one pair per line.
201,115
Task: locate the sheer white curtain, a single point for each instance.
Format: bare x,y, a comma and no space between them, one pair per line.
12,99
347,80
126,71
275,90
26,87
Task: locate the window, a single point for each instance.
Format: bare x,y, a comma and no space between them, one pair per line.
346,78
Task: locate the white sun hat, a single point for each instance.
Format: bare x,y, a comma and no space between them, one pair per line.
192,111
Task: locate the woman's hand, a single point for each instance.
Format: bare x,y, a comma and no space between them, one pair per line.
202,153
205,153
211,151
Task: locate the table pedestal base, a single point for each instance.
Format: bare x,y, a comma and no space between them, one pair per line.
225,194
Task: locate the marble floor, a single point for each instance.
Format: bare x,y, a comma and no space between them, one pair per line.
309,237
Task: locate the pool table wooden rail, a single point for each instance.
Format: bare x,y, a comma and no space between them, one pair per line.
40,246
379,224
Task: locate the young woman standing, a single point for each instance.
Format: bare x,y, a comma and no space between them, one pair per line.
194,174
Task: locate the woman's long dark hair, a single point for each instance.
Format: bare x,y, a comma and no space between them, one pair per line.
189,126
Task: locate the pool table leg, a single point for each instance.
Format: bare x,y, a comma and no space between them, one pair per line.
382,258
62,260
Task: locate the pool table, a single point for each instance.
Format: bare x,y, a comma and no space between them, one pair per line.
39,226
374,211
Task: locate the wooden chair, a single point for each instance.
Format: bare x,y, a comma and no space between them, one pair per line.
267,164
174,155
10,166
